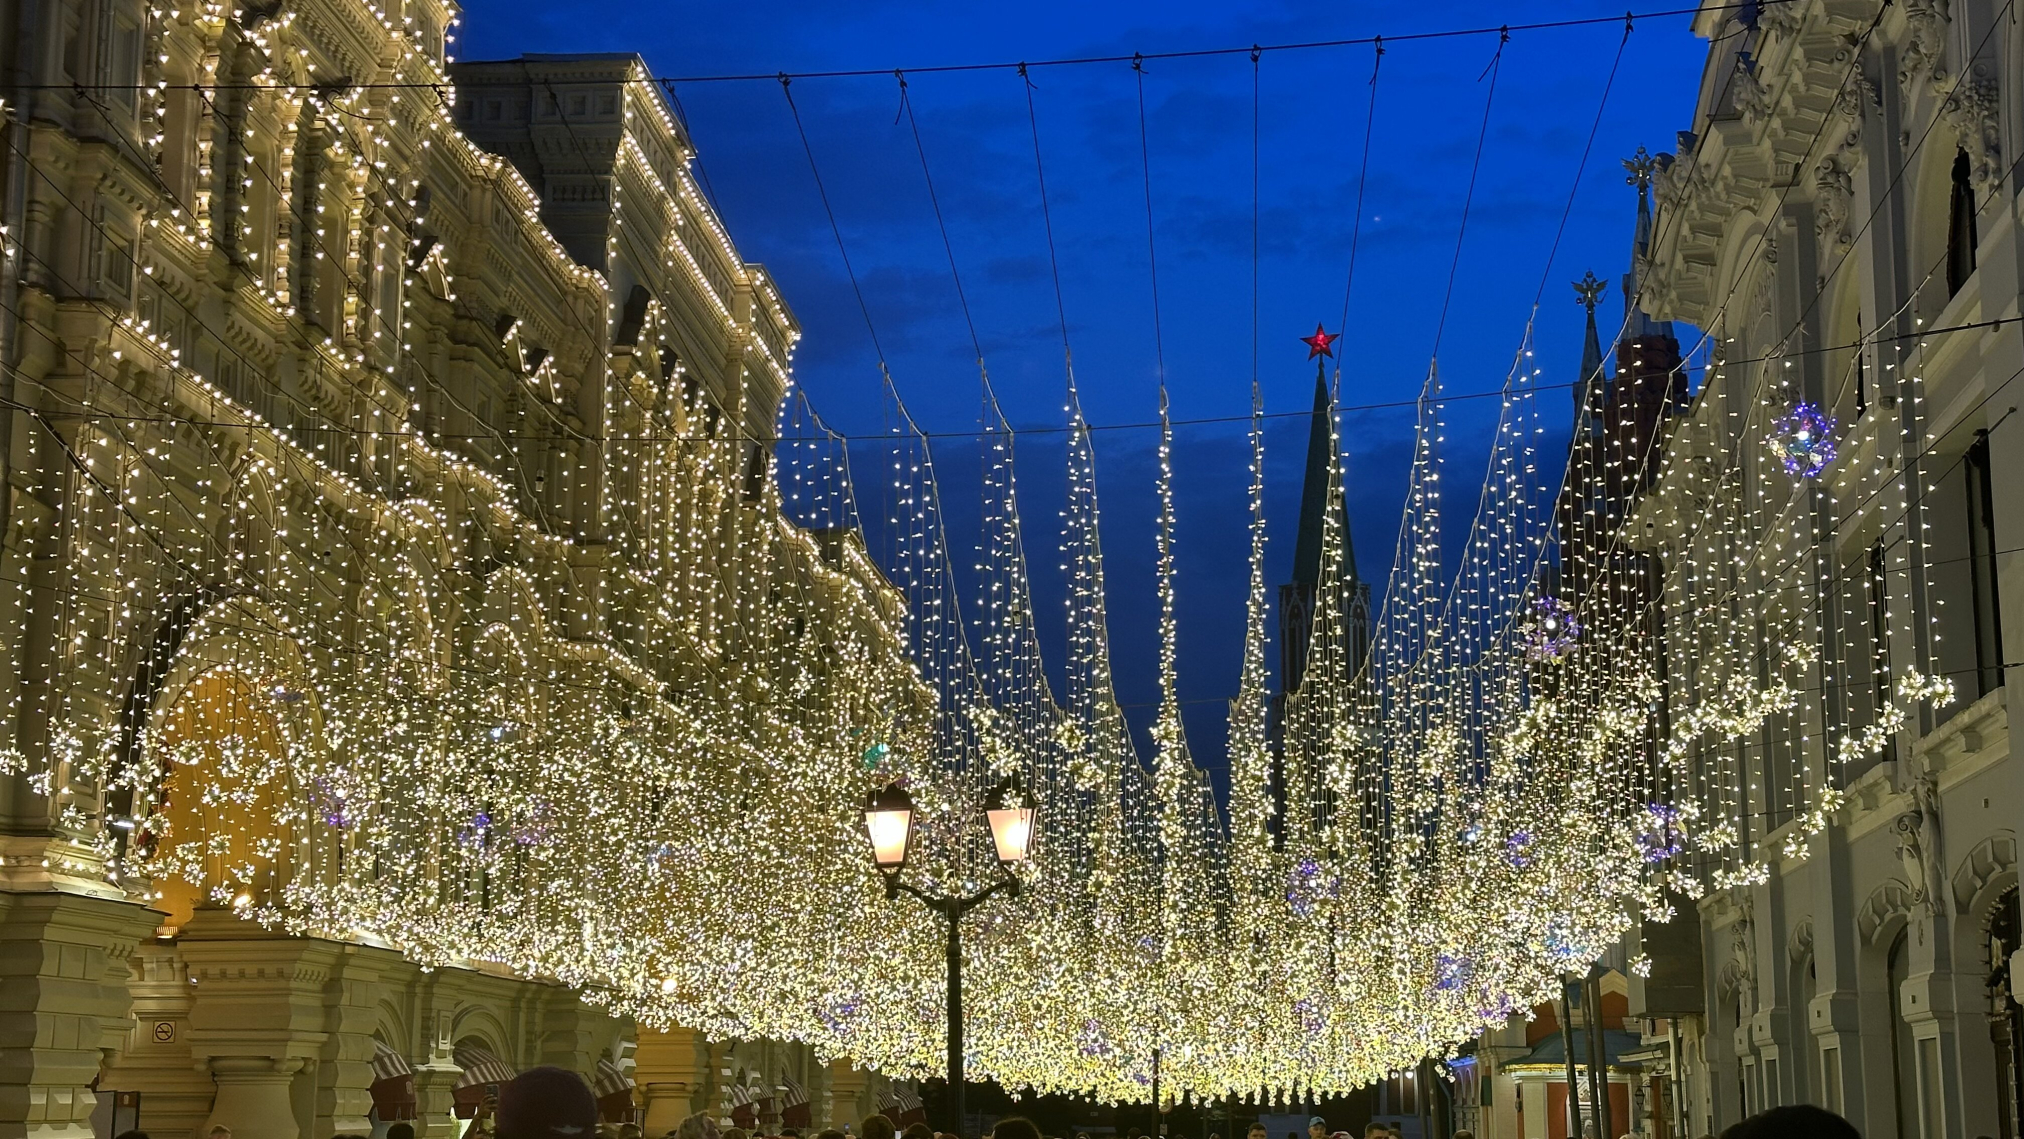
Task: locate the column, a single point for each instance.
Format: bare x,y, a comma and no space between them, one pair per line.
847,1084
671,1068
64,1005
258,1024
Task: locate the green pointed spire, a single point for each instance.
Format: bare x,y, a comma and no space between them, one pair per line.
1314,504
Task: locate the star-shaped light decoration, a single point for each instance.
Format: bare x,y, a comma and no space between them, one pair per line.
1318,344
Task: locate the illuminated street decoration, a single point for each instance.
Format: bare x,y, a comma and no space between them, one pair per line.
1803,439
632,751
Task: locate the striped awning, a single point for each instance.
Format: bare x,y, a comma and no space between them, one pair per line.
795,1095
611,1079
387,1063
741,1096
908,1097
480,1067
393,1085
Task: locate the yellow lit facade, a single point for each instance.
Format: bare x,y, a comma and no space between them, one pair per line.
343,381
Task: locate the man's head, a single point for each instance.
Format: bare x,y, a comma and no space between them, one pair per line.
700,1126
918,1131
220,1131
1317,1128
1375,1130
1257,1131
1465,1135
1015,1127
1796,1121
397,1131
546,1103
877,1127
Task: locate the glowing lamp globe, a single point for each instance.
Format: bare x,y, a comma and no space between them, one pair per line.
889,821
1010,810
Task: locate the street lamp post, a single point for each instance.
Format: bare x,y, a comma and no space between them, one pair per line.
889,822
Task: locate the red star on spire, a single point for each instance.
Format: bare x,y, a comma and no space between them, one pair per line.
1318,344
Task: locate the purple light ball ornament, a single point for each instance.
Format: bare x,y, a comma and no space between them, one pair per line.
1309,886
1803,440
1552,630
1663,837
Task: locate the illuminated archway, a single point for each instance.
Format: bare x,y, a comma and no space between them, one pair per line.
223,838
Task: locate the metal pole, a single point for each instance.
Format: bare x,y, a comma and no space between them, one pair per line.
1567,1047
1598,1058
1159,1125
955,913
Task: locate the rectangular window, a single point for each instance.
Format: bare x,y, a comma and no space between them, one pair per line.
1988,612
1879,636
1772,1094
123,60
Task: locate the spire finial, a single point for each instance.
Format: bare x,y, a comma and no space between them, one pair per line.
1641,166
1588,291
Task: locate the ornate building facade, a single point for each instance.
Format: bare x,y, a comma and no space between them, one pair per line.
334,368
1841,224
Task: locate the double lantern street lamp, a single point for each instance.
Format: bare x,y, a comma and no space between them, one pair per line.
889,821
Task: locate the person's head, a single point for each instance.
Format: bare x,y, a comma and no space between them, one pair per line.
397,1131
700,1126
1794,1121
733,1133
1375,1130
546,1103
131,1135
1015,1127
877,1127
220,1131
918,1131
1465,1134
1317,1128
1257,1131
829,1133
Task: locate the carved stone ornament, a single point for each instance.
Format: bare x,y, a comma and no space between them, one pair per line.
1971,111
1918,847
1747,94
1742,939
1781,20
1858,96
1834,188
1926,24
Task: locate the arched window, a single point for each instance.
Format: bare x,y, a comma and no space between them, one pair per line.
1903,1082
2007,1027
1960,226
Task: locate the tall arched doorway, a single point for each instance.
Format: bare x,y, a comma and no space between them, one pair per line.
221,754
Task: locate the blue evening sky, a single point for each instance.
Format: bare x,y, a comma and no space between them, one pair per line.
1311,110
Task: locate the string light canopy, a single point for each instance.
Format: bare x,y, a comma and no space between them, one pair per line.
378,714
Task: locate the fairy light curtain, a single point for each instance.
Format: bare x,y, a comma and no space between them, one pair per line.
366,725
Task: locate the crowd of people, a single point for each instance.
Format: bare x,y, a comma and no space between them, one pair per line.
555,1103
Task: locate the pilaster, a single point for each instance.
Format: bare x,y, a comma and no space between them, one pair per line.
258,1024
64,1005
671,1067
